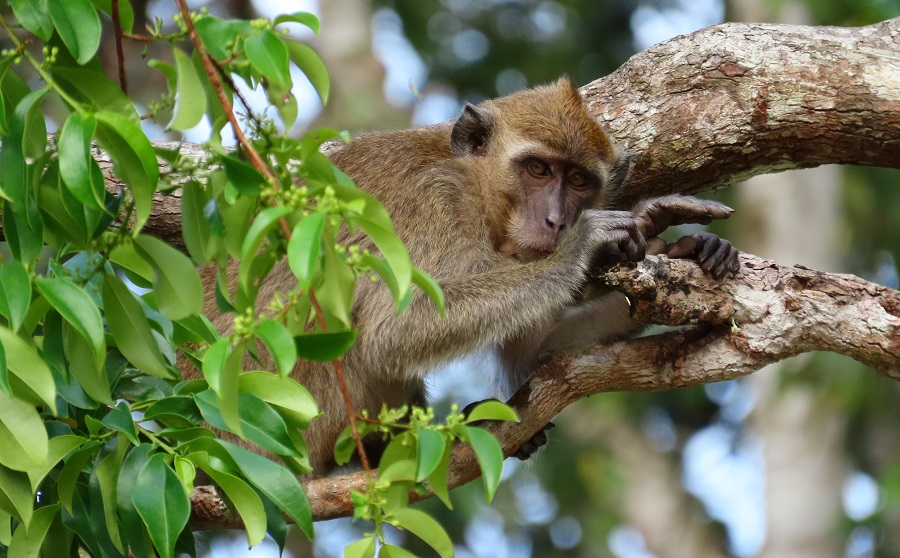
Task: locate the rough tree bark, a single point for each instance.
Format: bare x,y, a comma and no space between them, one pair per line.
703,111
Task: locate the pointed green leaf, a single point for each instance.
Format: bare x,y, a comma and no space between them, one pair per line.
133,157
246,501
133,528
391,551
429,451
77,308
16,498
243,176
195,226
24,363
71,473
492,410
305,246
34,16
102,487
75,159
268,56
437,480
259,423
363,548
190,98
176,283
277,483
430,287
160,499
92,87
285,393
391,248
264,222
59,447
303,18
15,292
325,347
130,329
90,374
119,419
27,540
22,435
310,63
222,368
425,527
490,459
336,293
280,344
78,25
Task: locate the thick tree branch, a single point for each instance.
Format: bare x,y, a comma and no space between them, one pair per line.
768,313
739,99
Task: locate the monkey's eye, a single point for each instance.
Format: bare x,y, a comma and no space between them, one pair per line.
578,180
538,168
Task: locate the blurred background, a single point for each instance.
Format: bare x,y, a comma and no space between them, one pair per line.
800,460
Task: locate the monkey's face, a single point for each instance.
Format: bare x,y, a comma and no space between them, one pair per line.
553,193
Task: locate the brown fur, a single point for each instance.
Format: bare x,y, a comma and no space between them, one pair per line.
465,219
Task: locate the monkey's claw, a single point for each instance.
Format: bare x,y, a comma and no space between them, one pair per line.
715,255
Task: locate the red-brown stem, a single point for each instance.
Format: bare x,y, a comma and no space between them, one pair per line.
120,54
264,169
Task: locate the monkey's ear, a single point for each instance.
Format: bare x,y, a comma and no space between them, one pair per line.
472,131
618,173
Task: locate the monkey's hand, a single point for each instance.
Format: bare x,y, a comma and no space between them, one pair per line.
655,215
715,255
601,238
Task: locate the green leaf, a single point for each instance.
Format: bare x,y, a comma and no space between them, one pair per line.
92,87
78,26
190,98
277,483
22,435
132,527
27,540
247,502
75,160
280,344
58,448
216,33
284,393
391,551
23,362
259,423
102,487
429,451
119,419
34,16
268,56
303,18
16,498
336,293
16,145
492,410
176,283
430,287
264,222
391,248
77,308
222,368
15,292
163,504
425,527
304,248
243,176
130,329
437,480
180,408
363,548
71,473
325,347
195,226
5,528
490,458
310,63
91,375
133,157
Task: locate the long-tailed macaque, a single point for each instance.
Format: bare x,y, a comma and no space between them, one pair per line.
509,209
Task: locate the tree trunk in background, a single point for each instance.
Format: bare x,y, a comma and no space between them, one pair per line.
793,218
356,101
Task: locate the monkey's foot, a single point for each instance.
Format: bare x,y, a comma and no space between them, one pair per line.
715,255
531,446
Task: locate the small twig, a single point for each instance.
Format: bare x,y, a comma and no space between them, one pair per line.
120,54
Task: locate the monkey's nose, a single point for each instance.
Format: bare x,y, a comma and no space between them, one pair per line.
553,225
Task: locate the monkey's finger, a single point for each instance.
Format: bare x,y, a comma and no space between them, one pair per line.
656,245
684,247
656,215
